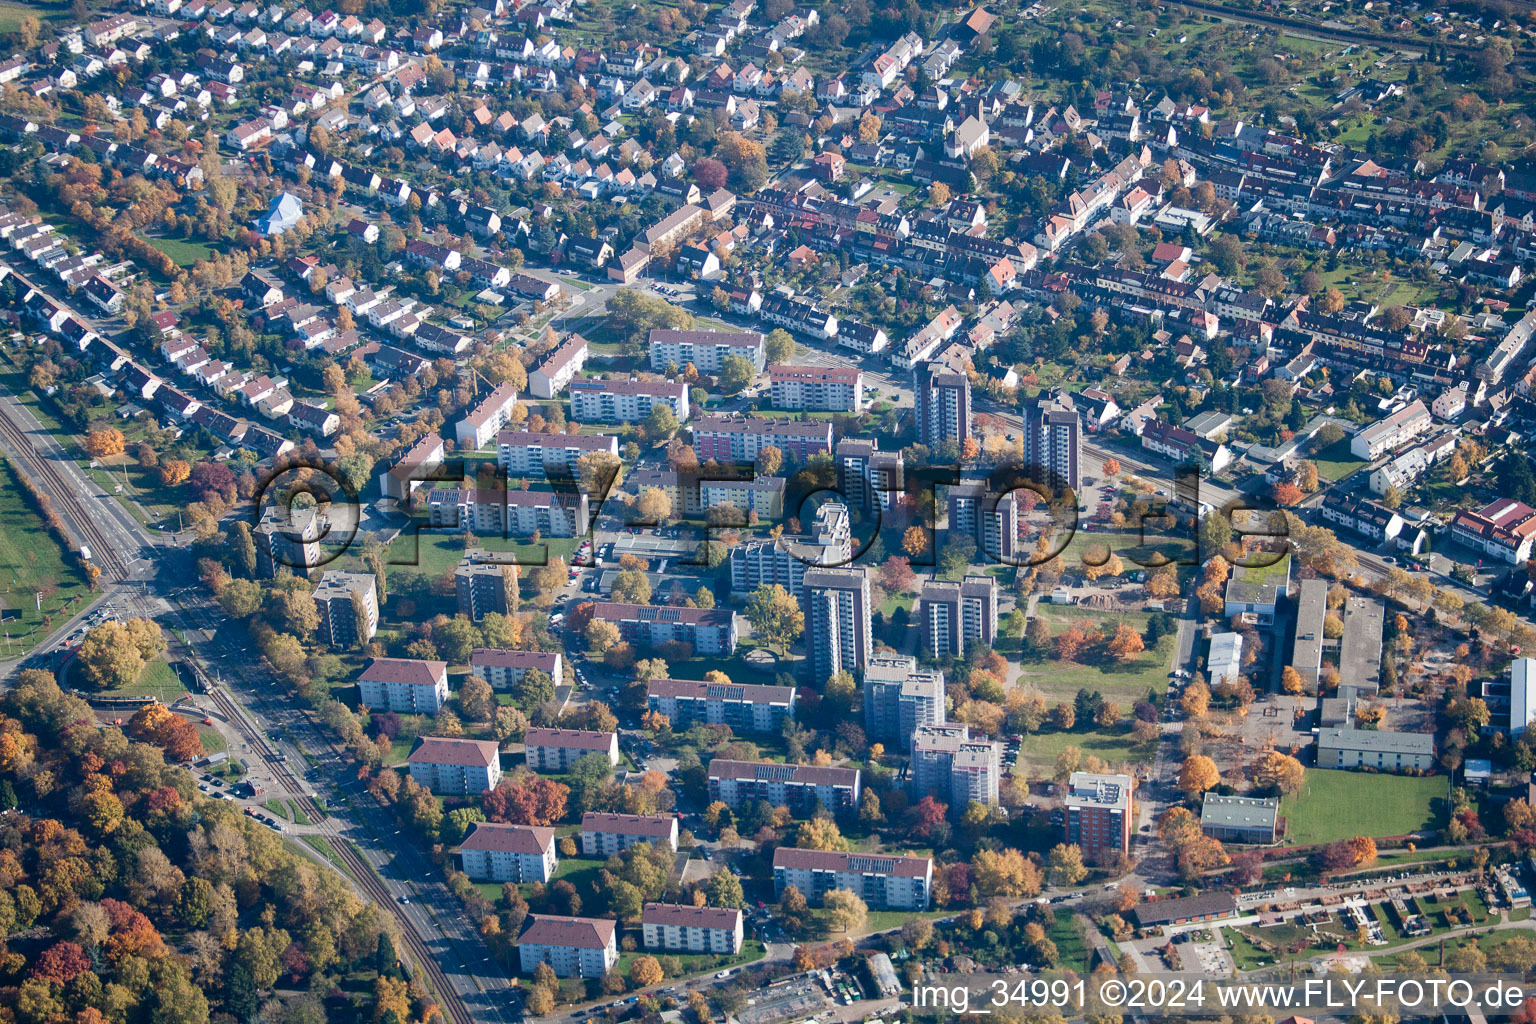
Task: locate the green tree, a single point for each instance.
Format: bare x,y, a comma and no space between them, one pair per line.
775,616
778,346
724,890
736,372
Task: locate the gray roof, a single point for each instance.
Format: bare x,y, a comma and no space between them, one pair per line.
1360,650
1385,742
1239,811
1311,608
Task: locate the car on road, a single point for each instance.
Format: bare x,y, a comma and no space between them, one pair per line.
402,900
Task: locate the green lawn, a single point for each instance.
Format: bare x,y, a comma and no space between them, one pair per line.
1114,746
436,552
1275,573
1128,545
1342,804
1125,682
213,742
159,681
183,252
34,569
1336,462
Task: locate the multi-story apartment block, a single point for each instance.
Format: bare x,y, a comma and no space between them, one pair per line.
541,455
612,400
603,835
744,707
555,750
838,621
503,669
899,699
1052,441
1098,813
485,420
494,852
762,494
405,685
485,582
706,350
456,767
575,947
956,614
959,768
817,388
991,520
288,538
800,787
414,467
868,477
685,928
1406,424
708,630
882,882
511,513
348,603
559,368
942,405
741,438
786,559
1504,530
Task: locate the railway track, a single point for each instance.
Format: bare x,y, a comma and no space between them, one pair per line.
49,480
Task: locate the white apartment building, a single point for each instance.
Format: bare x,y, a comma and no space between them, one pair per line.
960,768
559,368
1408,423
504,668
405,685
556,750
486,419
689,929
882,882
706,350
510,513
603,834
537,455
800,787
575,947
899,699
744,707
817,388
495,852
610,400
456,767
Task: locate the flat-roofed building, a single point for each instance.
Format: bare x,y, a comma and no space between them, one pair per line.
1224,663
288,537
1522,695
1383,750
455,767
485,582
991,520
603,835
1360,649
495,852
763,495
800,787
839,627
745,707
900,698
616,400
943,406
684,928
882,882
406,685
869,478
1311,608
948,761
784,560
574,947
1240,819
1098,812
706,350
954,615
556,750
817,388
504,669
348,603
